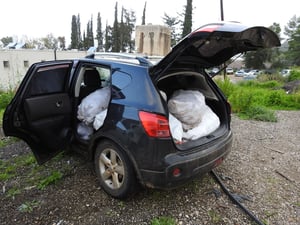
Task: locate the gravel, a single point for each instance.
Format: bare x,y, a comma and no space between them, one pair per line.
263,169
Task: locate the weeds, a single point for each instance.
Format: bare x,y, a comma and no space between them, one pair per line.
28,206
163,220
214,216
256,99
52,179
11,193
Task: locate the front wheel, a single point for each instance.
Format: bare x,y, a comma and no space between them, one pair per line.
114,170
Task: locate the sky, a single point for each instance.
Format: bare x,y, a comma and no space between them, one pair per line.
32,19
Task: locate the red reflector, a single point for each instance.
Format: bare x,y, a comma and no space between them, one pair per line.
176,172
218,162
155,125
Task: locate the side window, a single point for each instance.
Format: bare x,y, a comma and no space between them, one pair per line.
49,79
91,77
119,81
104,75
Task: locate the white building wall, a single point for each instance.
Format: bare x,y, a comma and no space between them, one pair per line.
15,63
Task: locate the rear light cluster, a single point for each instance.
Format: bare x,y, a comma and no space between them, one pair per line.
155,125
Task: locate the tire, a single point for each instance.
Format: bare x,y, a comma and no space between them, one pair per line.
114,170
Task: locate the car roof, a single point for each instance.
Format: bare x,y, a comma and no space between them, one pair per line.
128,58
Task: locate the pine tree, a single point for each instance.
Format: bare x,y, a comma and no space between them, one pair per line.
187,23
292,30
108,39
115,32
74,33
172,23
122,31
99,34
78,24
144,14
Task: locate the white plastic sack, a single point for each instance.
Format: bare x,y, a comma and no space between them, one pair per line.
93,104
210,122
99,119
186,106
84,131
175,128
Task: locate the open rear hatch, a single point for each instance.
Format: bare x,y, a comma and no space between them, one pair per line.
213,44
182,72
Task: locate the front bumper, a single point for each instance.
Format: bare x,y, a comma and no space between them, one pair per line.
190,165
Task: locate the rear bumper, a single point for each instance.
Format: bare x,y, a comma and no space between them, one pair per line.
190,165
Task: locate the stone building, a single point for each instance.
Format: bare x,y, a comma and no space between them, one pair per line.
152,40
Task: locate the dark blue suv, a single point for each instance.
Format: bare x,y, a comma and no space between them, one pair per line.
137,121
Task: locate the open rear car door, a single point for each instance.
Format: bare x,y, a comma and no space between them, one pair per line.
40,112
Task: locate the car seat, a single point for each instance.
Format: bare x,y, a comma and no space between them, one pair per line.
91,82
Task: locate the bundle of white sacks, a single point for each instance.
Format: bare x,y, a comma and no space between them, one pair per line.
189,116
92,112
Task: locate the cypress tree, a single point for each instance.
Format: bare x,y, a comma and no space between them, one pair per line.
74,34
187,23
99,34
144,14
115,32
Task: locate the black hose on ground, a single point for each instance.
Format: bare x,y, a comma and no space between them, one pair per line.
233,198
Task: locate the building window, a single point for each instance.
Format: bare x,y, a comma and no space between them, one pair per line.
26,63
6,64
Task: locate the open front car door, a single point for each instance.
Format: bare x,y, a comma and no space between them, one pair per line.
40,113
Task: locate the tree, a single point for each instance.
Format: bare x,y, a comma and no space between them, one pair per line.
6,40
144,14
108,39
115,32
99,33
172,23
79,38
62,42
89,39
187,22
76,40
292,30
127,30
74,33
50,42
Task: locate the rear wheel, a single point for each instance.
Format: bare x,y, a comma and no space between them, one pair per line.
114,170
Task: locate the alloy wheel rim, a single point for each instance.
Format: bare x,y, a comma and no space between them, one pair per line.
111,168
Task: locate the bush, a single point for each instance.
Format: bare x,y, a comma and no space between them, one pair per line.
295,75
271,77
261,114
226,86
241,100
5,99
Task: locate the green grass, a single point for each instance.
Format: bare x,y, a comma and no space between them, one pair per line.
53,178
257,99
163,220
28,206
31,174
214,216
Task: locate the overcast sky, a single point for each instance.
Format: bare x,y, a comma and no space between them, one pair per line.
37,18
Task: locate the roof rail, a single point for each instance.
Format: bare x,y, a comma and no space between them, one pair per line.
142,60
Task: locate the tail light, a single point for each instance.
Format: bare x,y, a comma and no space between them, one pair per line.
155,125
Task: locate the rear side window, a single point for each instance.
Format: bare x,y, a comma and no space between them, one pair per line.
48,80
